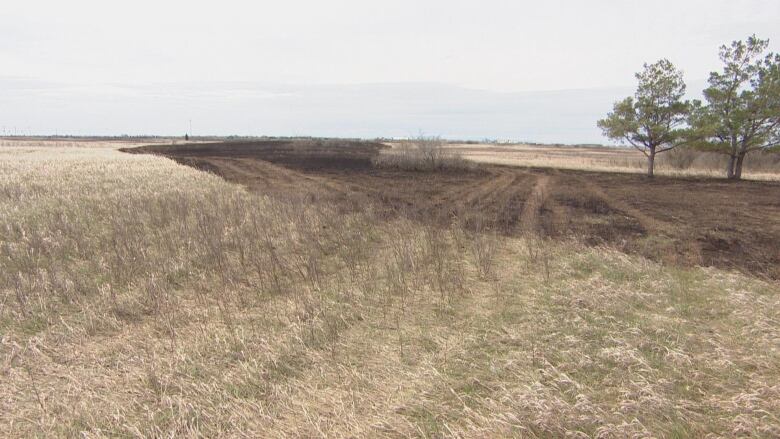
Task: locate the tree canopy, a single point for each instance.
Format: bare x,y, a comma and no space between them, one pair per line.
742,111
654,120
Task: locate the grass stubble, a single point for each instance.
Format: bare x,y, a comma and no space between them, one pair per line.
140,298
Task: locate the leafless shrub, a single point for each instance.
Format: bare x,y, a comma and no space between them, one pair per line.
539,257
444,258
483,244
401,267
423,154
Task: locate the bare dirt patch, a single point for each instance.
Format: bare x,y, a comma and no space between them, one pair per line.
687,221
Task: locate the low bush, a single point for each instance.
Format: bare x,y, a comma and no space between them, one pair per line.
422,154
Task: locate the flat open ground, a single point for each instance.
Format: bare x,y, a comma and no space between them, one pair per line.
680,220
143,298
678,163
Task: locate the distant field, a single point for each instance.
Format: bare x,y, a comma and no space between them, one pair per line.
86,142
606,159
589,158
302,292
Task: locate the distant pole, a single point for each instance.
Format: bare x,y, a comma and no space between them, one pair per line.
190,127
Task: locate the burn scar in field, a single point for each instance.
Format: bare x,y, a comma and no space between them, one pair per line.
530,219
686,221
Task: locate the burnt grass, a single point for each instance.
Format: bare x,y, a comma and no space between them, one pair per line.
683,221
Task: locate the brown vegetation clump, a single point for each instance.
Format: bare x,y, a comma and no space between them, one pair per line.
422,154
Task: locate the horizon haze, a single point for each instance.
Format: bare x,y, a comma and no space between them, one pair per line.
500,70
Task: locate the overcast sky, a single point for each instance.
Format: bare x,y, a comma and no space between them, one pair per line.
254,67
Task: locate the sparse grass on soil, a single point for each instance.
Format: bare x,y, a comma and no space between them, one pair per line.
140,297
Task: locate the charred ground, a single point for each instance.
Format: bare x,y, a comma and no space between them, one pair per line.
686,221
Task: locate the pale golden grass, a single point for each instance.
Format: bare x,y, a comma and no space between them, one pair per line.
603,159
142,298
20,142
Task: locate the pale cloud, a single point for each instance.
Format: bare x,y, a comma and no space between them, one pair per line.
164,54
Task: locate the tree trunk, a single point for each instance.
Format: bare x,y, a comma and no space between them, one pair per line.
651,162
730,167
738,166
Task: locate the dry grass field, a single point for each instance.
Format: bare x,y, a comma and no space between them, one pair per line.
140,297
679,163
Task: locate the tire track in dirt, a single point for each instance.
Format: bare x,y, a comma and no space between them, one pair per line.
555,222
260,174
509,203
702,221
493,187
530,224
494,199
648,223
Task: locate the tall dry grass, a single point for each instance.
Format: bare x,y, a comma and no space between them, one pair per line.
758,162
679,162
142,298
